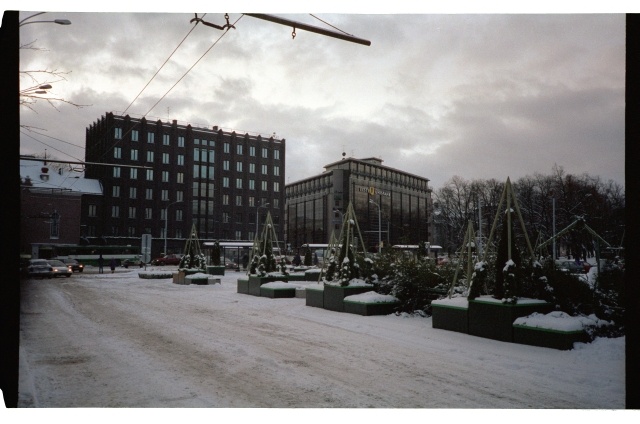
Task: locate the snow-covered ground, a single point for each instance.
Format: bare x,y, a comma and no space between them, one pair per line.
119,341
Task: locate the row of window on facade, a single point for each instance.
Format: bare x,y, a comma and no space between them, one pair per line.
166,141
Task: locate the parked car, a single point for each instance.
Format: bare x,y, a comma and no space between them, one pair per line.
39,268
171,259
59,268
132,262
572,267
74,264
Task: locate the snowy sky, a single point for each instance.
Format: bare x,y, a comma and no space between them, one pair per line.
478,93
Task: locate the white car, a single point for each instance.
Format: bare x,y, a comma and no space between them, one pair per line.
39,268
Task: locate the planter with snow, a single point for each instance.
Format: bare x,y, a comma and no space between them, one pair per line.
556,330
314,295
278,289
451,314
493,319
312,274
215,269
370,303
296,277
198,278
334,294
255,282
243,285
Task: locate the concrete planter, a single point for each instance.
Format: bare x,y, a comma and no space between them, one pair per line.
178,278
243,285
312,274
450,314
296,277
215,269
545,337
276,293
492,319
334,295
315,296
255,282
366,309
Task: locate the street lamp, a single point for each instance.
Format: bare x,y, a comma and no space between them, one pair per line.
166,220
54,21
379,225
257,210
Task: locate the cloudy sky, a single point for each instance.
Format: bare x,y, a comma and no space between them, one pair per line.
437,94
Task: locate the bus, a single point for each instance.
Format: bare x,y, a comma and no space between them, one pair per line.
85,254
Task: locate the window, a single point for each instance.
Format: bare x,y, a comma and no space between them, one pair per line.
196,171
252,201
165,158
165,176
117,152
116,172
180,177
118,133
133,192
134,135
276,170
264,185
196,189
148,213
238,182
163,214
252,184
265,170
148,194
252,168
225,182
150,137
115,191
276,203
276,154
265,152
225,165
239,166
181,141
165,139
133,173
179,196
227,147
225,199
239,149
149,174
238,235
164,195
131,231
132,212
178,214
196,155
238,200
93,209
178,232
115,211
276,186
134,154
212,156
181,160
225,217
252,150
150,156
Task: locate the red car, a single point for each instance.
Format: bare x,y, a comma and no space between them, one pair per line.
167,260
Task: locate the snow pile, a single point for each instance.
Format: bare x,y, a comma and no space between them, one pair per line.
197,276
356,282
560,321
371,297
279,285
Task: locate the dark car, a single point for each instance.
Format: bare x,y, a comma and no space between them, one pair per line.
39,268
59,268
74,264
171,259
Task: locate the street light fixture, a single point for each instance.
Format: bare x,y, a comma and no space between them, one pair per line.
257,210
379,225
166,220
54,21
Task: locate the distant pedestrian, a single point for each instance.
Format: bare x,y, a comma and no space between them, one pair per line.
297,260
112,265
100,264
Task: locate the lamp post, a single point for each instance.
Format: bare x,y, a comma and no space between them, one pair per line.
379,225
257,210
54,21
166,220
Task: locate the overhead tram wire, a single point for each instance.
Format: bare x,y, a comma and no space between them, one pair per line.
51,147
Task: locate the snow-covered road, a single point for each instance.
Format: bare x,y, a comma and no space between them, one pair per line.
115,340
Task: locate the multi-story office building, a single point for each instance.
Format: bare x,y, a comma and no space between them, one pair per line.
168,175
391,206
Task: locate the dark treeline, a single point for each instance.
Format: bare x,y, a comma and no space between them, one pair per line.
600,203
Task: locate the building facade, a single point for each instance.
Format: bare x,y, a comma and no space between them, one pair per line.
164,177
391,206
